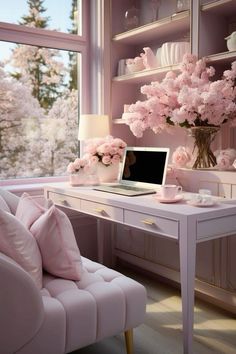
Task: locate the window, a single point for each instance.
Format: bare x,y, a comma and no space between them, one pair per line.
40,85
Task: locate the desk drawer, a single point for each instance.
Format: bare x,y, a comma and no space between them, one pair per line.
65,200
216,227
102,210
156,224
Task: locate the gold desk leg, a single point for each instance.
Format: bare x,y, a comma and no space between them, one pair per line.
129,341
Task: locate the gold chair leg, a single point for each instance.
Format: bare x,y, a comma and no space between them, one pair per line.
129,341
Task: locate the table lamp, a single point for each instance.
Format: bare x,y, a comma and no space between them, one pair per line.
93,126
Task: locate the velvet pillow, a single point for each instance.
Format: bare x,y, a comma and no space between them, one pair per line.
19,244
55,236
28,210
3,205
11,200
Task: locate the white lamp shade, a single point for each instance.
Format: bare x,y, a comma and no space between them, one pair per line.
93,126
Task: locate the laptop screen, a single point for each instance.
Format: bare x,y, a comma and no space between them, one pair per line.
144,166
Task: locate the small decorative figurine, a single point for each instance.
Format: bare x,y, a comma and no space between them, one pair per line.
231,41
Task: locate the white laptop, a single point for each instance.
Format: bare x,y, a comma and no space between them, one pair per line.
143,172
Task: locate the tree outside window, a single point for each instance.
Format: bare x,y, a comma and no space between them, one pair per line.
38,102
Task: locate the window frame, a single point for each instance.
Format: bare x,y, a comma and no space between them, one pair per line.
21,34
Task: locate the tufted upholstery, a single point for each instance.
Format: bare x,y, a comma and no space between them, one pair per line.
65,315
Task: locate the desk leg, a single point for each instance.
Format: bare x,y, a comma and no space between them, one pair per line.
100,240
187,250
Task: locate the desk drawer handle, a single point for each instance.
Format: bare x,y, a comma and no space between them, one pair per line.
63,202
99,210
148,222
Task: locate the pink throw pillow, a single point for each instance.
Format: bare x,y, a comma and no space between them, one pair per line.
11,199
55,236
28,210
3,205
19,244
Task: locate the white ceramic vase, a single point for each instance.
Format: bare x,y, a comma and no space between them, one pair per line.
107,173
173,52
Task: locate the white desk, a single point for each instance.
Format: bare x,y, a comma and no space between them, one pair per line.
180,221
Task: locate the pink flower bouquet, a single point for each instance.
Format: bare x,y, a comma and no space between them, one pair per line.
108,151
187,100
79,163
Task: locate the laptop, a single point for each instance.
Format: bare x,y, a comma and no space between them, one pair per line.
143,172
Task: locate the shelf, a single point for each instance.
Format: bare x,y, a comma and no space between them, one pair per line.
155,30
220,7
118,121
221,58
141,77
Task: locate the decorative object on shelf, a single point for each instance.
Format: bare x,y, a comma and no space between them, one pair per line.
182,5
131,18
146,60
154,5
203,137
158,56
225,159
187,100
181,157
173,52
231,41
108,153
134,65
149,59
122,67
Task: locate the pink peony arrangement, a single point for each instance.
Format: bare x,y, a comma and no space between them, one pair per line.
107,150
77,164
181,156
186,100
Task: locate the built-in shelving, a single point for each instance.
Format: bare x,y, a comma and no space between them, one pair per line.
158,29
220,7
148,75
221,58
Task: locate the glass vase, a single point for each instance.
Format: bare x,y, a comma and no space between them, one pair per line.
131,18
203,137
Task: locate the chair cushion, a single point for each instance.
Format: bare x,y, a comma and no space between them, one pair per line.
55,236
18,243
103,303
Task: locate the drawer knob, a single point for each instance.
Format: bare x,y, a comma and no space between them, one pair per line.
99,210
63,202
148,222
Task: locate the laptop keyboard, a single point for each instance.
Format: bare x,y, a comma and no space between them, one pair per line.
129,188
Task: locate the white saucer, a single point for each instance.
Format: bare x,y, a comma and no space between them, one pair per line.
199,204
160,199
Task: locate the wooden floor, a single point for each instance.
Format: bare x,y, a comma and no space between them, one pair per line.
214,329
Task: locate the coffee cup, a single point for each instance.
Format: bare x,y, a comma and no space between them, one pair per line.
169,191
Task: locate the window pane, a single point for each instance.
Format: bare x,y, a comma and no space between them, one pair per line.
57,15
38,110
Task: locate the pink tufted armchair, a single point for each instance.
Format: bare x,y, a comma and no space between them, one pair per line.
65,315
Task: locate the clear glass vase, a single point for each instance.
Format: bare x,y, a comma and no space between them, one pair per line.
203,137
131,18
